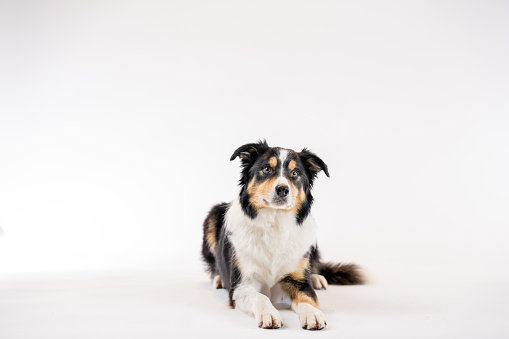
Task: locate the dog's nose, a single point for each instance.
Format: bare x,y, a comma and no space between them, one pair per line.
282,190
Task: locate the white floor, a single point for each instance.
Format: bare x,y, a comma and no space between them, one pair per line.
165,305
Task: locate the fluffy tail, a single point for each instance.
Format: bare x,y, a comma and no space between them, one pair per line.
342,274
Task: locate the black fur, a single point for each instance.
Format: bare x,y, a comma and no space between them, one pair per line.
254,155
341,274
312,165
249,154
227,267
221,261
217,250
215,218
314,259
291,285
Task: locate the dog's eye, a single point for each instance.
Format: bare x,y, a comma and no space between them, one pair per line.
294,173
267,169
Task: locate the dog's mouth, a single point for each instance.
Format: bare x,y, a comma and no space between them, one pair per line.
277,203
280,203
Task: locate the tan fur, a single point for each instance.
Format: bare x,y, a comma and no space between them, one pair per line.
273,162
314,167
298,195
302,298
257,193
294,293
299,274
211,235
291,165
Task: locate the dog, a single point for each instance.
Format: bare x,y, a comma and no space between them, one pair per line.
261,247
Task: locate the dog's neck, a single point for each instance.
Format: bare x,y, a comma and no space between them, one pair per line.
266,217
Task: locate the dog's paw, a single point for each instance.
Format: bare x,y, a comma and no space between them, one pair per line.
269,318
310,317
319,282
217,282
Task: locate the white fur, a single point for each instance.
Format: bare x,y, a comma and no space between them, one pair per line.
283,154
216,282
248,299
290,202
319,282
281,180
270,246
310,317
267,249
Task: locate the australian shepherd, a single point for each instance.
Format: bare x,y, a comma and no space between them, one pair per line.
261,247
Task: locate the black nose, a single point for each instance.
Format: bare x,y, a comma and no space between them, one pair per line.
282,190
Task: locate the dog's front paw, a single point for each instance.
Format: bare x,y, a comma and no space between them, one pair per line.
310,317
319,282
269,318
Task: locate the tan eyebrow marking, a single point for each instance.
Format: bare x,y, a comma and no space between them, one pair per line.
292,164
273,162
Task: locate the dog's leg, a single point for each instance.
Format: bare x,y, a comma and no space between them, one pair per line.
217,282
317,280
249,300
304,302
311,318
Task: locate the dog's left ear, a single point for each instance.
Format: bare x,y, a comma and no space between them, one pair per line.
250,152
313,163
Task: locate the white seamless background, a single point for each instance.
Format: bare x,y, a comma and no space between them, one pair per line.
117,121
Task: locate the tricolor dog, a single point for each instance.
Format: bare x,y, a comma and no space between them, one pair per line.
261,247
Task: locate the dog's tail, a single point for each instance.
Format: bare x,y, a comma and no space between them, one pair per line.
342,274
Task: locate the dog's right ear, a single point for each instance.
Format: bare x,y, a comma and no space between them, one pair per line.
250,152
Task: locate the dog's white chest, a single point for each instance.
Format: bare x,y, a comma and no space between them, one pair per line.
271,246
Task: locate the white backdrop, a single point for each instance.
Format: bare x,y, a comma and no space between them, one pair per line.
117,121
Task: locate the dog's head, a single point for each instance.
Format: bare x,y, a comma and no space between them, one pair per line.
277,178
